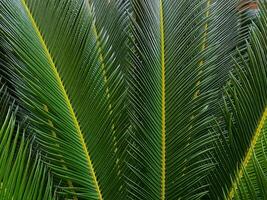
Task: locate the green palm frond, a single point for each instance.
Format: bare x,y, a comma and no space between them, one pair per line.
110,15
228,28
244,114
223,35
64,74
253,183
4,100
120,96
22,174
170,94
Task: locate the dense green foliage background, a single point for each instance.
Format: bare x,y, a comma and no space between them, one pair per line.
133,99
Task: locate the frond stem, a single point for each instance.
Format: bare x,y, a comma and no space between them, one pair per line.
163,108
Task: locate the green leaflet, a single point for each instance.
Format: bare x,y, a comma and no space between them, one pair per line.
163,102
22,174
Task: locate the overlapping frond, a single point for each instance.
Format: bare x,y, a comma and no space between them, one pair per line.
112,17
244,113
22,174
228,29
223,35
64,74
104,82
253,183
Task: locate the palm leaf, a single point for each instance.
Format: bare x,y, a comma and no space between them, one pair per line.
110,15
170,74
4,100
228,28
96,76
223,34
244,114
253,182
22,174
75,98
113,17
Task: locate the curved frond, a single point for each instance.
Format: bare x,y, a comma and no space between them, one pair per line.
244,113
64,74
120,96
253,183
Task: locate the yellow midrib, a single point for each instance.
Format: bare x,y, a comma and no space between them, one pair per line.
73,116
104,73
163,117
69,182
206,28
207,14
248,154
